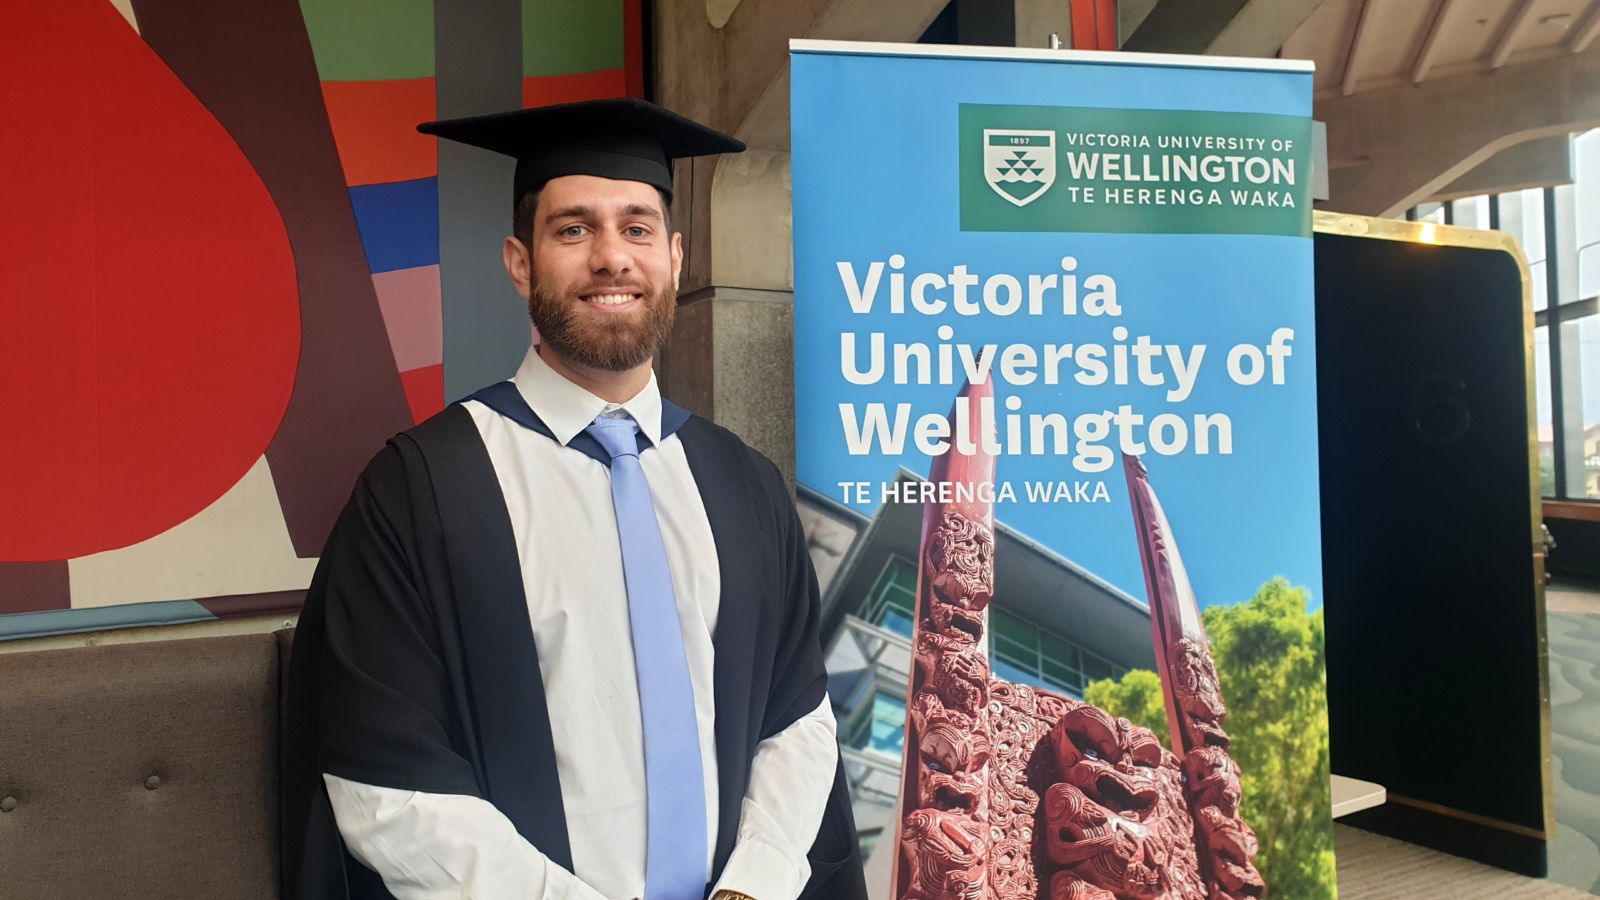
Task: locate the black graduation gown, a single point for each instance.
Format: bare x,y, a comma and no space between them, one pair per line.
414,665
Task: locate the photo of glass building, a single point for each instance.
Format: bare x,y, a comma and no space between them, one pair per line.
1053,625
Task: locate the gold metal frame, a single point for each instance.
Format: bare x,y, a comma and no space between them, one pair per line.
1481,239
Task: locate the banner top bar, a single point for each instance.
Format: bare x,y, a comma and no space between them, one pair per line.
1102,57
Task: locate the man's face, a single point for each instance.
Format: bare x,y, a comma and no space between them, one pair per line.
602,288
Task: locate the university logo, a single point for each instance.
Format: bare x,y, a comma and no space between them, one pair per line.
1019,165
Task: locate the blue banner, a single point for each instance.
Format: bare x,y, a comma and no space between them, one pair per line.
1091,274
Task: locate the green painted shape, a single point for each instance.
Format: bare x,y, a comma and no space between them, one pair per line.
1017,164
363,40
568,37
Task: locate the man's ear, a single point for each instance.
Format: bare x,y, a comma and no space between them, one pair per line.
519,265
677,257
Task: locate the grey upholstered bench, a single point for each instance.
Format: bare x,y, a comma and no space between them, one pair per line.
145,770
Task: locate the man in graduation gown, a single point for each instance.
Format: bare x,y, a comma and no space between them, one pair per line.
563,641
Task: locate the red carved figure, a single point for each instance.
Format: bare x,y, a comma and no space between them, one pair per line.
1195,711
1107,824
945,837
953,666
949,857
961,556
1019,718
1121,817
1199,696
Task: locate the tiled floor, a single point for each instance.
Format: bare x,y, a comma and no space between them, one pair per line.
1372,867
1574,629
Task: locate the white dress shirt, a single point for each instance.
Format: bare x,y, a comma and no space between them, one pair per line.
437,845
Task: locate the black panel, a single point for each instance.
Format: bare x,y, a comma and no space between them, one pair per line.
1577,550
1433,668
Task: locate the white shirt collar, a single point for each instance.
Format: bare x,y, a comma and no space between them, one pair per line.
568,409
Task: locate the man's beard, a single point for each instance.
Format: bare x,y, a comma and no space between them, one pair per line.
597,341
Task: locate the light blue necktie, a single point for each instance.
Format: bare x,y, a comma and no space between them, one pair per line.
675,848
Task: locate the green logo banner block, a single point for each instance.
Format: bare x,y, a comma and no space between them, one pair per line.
1066,168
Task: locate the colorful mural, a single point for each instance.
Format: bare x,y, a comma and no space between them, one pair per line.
222,283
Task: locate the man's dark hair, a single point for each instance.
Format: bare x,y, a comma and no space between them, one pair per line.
522,216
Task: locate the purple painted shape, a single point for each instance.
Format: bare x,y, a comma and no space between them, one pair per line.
251,65
269,603
34,586
410,302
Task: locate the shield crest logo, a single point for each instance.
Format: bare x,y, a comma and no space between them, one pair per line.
1019,165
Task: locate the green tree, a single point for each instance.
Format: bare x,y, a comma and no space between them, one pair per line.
1137,697
1270,655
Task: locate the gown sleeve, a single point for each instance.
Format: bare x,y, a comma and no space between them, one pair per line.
378,759
386,701
799,678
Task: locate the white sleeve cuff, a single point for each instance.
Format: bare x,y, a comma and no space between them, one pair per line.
763,871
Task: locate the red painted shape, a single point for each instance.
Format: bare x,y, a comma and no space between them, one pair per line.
633,45
149,331
1094,25
424,391
375,128
543,90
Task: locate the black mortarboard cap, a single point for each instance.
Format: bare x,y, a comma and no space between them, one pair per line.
623,138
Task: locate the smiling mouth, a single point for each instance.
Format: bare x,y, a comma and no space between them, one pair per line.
609,299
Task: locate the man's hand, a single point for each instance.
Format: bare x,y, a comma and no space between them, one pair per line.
732,895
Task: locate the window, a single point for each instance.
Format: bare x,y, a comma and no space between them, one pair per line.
1541,377
1522,217
883,729
867,840
1023,652
1019,650
892,602
1432,212
1471,212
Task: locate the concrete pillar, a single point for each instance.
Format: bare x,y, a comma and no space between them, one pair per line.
726,63
731,353
1036,20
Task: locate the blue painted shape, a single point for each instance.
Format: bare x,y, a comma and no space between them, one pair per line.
105,618
399,223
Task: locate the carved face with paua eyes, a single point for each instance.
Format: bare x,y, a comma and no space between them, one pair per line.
1101,815
953,755
1110,760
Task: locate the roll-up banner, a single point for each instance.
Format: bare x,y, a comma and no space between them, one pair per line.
1057,454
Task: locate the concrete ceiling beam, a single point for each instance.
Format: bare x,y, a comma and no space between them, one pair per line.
1429,47
757,40
1507,41
1220,27
1405,144
1544,162
1586,32
1352,60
